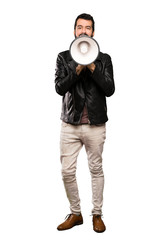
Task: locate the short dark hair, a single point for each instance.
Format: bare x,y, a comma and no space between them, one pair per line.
86,17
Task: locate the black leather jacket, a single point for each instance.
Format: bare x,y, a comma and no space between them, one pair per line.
89,88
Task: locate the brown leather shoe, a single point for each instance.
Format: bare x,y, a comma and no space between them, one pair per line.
72,220
98,224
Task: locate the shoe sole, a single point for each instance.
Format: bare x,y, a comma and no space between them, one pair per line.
70,227
99,231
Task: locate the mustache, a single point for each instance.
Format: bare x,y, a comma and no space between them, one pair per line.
83,34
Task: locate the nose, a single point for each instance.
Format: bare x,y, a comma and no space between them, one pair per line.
83,30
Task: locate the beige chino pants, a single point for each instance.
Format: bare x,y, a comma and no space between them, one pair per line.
71,141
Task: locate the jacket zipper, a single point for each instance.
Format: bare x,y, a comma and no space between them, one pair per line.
81,116
88,113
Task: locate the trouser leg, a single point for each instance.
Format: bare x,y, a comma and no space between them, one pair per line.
94,142
70,147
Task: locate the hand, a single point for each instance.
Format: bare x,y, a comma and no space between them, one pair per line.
79,68
91,67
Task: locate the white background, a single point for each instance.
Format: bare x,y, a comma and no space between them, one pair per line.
33,200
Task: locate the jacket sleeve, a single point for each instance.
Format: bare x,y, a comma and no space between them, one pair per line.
105,80
65,77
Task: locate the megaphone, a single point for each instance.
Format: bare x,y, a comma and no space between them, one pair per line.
84,50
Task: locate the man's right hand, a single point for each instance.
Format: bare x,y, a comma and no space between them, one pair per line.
79,68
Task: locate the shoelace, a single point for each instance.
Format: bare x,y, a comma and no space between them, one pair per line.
68,216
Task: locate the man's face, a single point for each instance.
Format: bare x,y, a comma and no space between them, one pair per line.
83,27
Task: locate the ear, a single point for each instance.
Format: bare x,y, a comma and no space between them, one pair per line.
93,34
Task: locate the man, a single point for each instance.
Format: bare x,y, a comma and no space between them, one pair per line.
84,114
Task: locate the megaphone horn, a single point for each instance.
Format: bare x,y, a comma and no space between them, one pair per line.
84,50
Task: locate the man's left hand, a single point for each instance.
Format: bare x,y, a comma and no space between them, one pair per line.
91,67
